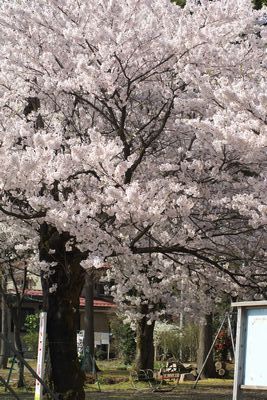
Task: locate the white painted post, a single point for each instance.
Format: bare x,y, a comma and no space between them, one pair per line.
181,322
41,356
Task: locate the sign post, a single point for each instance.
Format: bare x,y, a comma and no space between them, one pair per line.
41,356
251,347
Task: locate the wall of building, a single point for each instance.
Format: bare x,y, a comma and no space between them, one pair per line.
101,321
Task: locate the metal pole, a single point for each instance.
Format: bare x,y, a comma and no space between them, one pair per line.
231,334
8,387
89,340
210,350
10,371
108,351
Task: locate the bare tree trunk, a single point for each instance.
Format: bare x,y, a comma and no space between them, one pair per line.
4,327
89,340
15,311
144,343
16,318
204,345
61,306
18,344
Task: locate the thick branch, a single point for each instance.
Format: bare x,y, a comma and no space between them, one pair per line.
39,214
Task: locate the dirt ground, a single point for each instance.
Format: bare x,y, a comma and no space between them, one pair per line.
201,393
188,394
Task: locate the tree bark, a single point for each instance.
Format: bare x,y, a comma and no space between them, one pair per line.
4,328
15,312
18,345
144,343
204,345
61,306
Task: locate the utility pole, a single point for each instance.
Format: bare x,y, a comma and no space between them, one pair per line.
89,341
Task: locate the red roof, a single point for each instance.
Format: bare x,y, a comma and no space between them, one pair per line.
30,292
97,303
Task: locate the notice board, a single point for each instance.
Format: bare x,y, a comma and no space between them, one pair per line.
255,371
251,347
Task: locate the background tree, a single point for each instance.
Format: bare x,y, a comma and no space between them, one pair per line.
204,345
179,343
259,3
123,340
157,288
18,257
31,336
4,322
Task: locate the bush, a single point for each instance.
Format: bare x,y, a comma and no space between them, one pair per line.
31,342
100,354
123,338
172,342
32,333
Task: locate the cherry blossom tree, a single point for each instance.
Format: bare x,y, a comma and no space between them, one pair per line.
131,128
152,288
158,287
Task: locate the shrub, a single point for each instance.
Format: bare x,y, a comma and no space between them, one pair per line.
32,333
123,338
100,354
31,342
172,342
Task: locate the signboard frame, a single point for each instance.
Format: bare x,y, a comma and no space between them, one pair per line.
243,335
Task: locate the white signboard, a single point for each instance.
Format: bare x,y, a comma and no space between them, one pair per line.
100,338
41,356
251,347
255,371
104,338
97,338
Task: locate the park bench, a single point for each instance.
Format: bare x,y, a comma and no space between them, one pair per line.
147,379
165,379
156,380
170,372
177,371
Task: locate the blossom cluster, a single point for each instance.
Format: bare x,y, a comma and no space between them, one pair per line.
140,136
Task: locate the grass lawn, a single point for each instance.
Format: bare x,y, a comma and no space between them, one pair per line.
115,385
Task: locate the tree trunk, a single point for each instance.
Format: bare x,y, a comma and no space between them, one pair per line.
4,328
18,344
144,343
89,340
16,318
204,345
15,312
61,305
